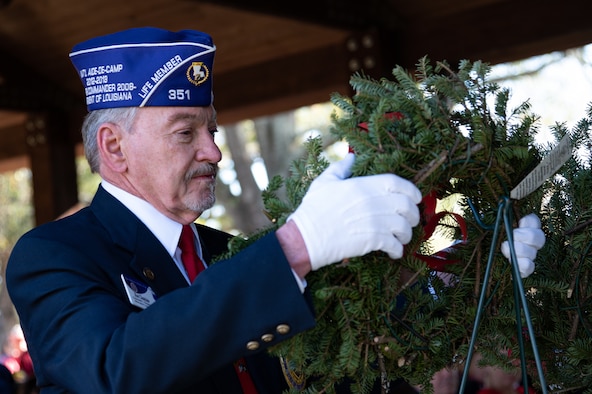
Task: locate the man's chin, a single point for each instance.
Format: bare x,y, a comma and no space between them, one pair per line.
201,204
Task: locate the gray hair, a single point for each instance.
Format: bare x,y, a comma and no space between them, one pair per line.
123,117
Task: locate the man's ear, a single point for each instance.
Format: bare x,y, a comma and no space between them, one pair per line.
109,144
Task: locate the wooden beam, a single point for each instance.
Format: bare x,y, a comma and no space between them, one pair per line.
21,91
502,32
14,164
345,14
282,81
53,166
12,142
303,79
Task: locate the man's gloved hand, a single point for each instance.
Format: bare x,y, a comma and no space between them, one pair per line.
342,217
528,239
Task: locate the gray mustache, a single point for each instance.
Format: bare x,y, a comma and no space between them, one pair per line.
205,169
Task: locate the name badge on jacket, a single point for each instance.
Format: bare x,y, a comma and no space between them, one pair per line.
138,293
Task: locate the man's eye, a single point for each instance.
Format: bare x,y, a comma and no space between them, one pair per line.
213,131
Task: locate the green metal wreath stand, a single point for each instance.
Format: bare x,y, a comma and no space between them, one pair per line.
505,212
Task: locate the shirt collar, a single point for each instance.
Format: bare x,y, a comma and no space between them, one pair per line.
167,231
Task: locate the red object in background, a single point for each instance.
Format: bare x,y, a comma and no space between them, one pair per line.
489,391
520,390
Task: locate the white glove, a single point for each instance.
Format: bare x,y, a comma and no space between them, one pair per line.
342,217
528,239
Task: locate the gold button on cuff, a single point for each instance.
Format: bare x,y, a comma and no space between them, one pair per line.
267,337
252,345
283,329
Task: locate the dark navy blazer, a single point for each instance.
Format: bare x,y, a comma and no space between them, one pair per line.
85,336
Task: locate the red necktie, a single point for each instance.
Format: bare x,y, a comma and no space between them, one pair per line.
193,266
191,261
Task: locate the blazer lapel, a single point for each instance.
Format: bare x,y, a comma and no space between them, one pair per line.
213,242
153,263
148,258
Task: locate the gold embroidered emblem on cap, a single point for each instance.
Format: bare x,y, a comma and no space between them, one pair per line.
197,73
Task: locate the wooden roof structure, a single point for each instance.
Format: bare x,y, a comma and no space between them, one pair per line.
272,56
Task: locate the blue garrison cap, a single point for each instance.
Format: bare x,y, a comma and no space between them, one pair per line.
146,66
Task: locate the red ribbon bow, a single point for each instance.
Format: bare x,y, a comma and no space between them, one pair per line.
439,260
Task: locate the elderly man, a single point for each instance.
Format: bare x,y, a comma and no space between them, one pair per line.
106,301
119,298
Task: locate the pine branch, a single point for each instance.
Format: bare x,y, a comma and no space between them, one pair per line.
434,164
452,133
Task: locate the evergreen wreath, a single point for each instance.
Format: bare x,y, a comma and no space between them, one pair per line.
452,133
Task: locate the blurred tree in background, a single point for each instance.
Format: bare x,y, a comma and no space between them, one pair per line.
16,215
